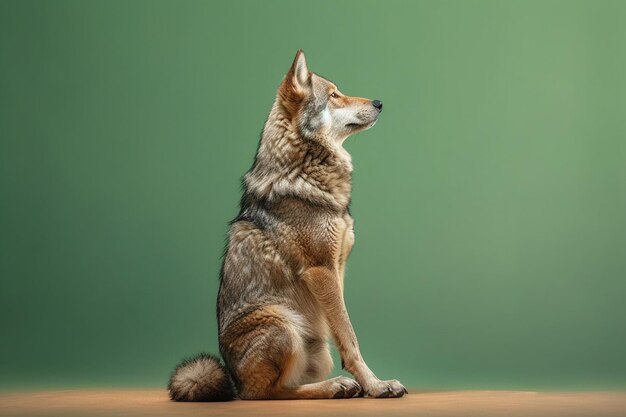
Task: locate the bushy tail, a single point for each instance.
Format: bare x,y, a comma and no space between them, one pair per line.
201,378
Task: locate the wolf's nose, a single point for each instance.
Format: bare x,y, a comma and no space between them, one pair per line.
378,104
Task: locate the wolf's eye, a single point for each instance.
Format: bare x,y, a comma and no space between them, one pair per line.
334,95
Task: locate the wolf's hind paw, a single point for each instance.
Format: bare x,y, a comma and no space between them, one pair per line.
346,388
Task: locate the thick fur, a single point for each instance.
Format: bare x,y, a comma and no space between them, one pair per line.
201,378
281,282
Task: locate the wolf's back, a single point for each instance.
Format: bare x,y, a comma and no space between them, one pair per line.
201,378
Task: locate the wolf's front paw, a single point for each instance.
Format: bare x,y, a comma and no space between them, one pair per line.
346,388
386,389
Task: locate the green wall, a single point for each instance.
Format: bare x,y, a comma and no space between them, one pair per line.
490,199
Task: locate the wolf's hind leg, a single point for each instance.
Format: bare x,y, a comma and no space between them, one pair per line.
269,359
339,387
266,351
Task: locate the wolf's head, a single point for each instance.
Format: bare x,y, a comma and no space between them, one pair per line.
300,153
319,110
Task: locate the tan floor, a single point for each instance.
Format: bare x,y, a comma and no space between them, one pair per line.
154,403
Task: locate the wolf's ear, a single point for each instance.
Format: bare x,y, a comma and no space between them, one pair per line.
295,85
299,72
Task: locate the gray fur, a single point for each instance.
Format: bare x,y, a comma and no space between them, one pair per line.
200,378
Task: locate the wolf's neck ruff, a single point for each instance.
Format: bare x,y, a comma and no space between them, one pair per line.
290,165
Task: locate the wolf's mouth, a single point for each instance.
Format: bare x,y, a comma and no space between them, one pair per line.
361,125
356,125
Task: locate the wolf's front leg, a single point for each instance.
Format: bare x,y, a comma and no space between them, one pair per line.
324,284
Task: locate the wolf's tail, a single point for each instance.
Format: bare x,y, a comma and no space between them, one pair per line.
201,378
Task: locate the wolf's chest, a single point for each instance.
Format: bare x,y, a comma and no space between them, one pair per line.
324,240
343,239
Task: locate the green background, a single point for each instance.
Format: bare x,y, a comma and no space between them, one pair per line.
490,199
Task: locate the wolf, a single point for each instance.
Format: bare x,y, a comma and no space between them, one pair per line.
282,277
